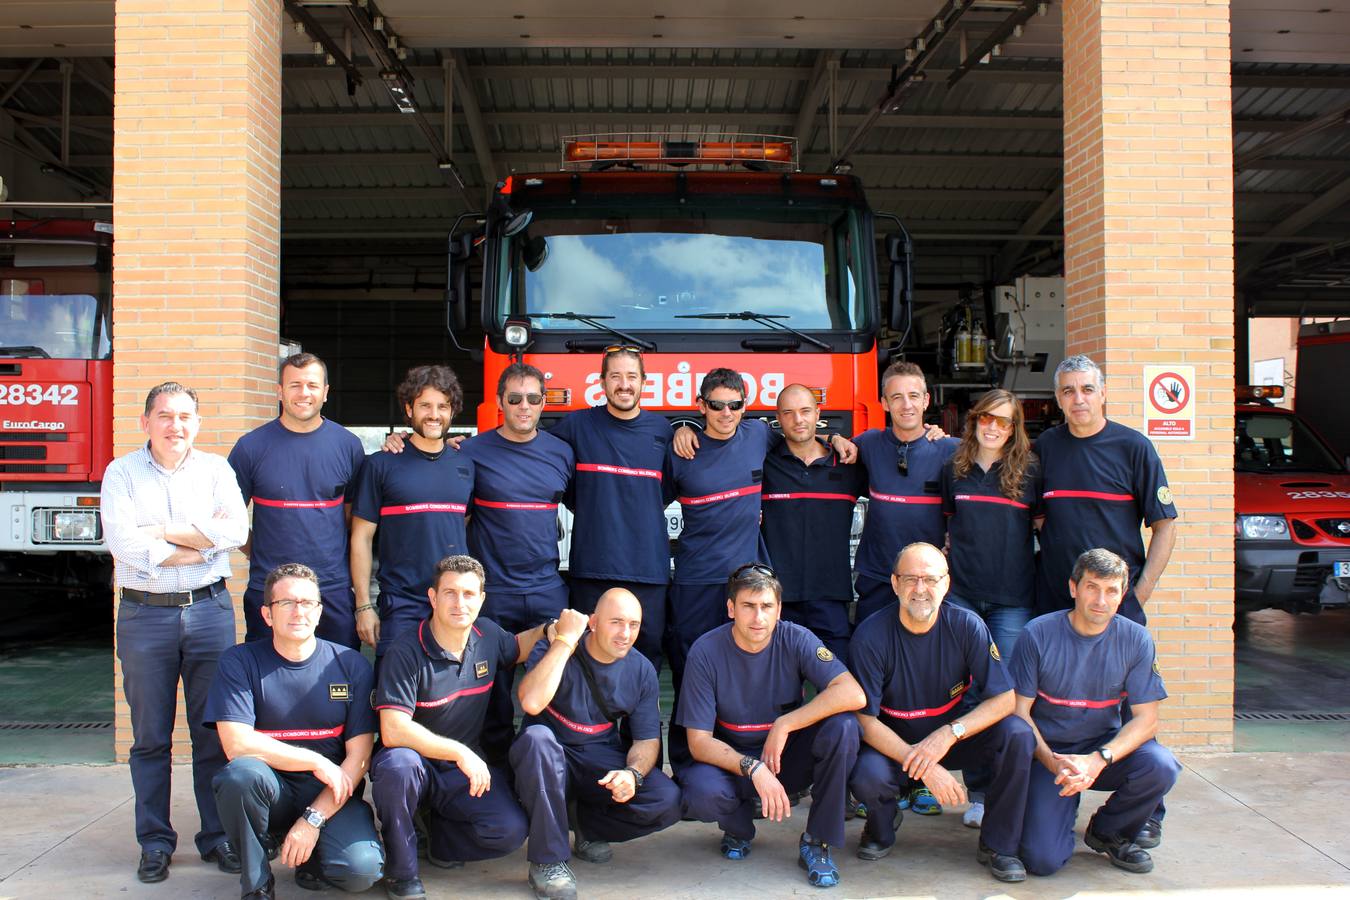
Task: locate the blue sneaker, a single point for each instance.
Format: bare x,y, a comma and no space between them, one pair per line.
922,801
735,848
815,859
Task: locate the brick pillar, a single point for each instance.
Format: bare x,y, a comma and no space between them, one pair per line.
196,182
1148,220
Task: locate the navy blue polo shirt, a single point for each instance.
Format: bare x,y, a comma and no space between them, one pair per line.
1097,492
516,492
445,695
719,494
318,704
628,685
738,695
419,501
992,552
298,483
1080,683
915,683
808,515
901,509
619,495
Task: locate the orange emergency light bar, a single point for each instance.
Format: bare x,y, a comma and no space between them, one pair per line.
1260,392
678,152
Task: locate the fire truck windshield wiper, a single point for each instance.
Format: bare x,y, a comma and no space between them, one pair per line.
598,326
764,319
25,350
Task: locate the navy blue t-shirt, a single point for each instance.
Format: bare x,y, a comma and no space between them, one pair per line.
992,553
738,695
915,682
618,495
901,509
318,704
445,695
1079,683
298,483
719,493
516,492
419,502
1097,492
628,685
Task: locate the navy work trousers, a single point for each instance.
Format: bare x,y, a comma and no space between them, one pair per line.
873,594
827,620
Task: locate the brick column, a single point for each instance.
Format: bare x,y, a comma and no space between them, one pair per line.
196,182
1148,220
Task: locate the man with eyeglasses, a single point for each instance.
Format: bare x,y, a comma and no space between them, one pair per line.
294,716
754,740
915,660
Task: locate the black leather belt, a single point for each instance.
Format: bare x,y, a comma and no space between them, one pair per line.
177,598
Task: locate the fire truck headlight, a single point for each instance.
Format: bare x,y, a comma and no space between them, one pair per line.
516,334
81,526
1263,528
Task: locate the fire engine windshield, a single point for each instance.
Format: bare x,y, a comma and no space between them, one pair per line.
1272,442
647,270
53,302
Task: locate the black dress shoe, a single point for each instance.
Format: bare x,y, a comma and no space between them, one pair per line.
225,858
154,866
1150,835
266,892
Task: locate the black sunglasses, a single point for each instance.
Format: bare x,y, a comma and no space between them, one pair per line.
753,567
719,405
902,459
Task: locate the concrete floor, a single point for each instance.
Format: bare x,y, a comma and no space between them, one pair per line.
1270,824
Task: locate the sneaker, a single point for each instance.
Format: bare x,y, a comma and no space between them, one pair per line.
734,847
1123,853
443,863
308,880
553,881
597,852
852,807
815,859
870,849
922,801
405,888
1001,866
1149,836
973,817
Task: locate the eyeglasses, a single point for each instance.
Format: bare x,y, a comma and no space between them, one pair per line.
305,605
912,581
515,399
623,348
719,405
902,459
758,568
987,419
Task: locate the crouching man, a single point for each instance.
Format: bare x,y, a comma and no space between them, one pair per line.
1076,673
293,713
593,734
752,738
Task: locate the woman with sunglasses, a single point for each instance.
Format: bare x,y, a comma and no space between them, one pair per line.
991,495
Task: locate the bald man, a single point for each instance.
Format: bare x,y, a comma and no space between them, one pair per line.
592,732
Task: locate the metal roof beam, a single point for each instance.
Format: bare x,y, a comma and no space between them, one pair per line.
473,117
816,87
1049,208
878,196
1325,204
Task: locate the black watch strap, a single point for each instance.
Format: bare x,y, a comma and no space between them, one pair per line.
638,777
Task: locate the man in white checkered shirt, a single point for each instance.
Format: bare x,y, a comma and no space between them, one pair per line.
171,516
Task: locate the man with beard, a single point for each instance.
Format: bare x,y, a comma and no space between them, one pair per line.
418,500
299,471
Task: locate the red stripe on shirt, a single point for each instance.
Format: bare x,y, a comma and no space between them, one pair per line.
925,713
413,508
1087,495
980,498
577,726
304,734
505,504
1082,704
607,469
465,692
811,496
722,495
898,498
298,504
751,727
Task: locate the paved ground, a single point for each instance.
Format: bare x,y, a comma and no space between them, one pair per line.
1269,824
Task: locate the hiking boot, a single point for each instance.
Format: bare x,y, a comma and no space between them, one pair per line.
553,881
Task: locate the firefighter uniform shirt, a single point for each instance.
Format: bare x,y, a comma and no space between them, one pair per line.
992,556
517,489
902,507
418,500
298,483
630,690
447,696
719,494
619,494
319,703
916,683
738,695
1097,492
1078,683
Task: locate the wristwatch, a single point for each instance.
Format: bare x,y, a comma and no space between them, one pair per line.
958,729
747,763
314,817
1106,754
638,777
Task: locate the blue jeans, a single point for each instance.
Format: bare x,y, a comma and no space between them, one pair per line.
158,645
1005,622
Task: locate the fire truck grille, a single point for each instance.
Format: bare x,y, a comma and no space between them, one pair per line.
23,452
29,469
1338,528
48,437
1303,530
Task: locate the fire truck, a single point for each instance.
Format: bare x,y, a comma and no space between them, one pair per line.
55,401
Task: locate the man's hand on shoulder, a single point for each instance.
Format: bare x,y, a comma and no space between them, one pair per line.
685,442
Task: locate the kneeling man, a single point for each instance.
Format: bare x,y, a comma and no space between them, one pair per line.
293,713
1088,683
592,734
915,664
752,738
